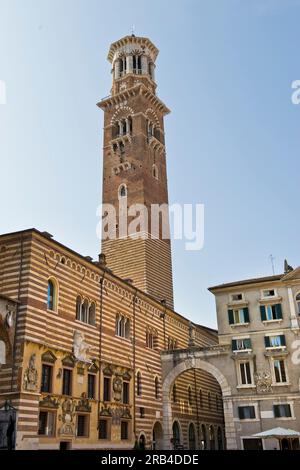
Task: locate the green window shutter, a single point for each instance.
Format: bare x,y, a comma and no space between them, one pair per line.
252,412
246,314
263,313
247,343
241,412
267,341
233,345
230,317
278,311
276,411
282,340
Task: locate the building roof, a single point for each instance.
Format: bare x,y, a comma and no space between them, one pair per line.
247,281
47,236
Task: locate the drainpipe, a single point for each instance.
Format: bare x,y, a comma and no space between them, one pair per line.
17,311
103,263
133,365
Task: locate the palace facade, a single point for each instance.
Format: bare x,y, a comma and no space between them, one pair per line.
81,340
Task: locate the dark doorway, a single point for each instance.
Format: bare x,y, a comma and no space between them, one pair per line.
7,427
252,444
64,445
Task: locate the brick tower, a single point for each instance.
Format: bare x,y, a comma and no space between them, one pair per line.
134,167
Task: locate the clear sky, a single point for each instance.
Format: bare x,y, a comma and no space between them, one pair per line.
225,69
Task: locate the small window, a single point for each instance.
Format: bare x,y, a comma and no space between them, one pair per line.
209,400
269,293
91,386
282,411
104,429
246,412
298,303
46,385
174,393
245,373
47,423
124,430
238,316
139,384
122,326
92,314
155,172
52,295
241,344
106,388
67,382
122,191
271,312
275,341
142,412
279,371
126,393
236,297
82,426
200,398
156,387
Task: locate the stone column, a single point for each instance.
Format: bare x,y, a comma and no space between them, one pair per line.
230,432
117,68
152,68
293,315
144,64
167,421
129,64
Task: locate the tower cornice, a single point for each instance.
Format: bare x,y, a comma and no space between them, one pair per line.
129,40
139,89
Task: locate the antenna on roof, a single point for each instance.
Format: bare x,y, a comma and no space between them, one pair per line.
133,30
271,258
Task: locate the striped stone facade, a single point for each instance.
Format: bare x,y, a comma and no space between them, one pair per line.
29,260
135,169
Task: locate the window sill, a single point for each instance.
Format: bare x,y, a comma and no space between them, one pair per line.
281,384
84,323
52,311
241,387
285,418
233,325
123,338
241,351
275,320
276,348
270,300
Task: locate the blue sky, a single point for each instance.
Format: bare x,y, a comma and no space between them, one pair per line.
225,69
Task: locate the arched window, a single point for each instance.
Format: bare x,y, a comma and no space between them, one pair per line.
52,295
84,311
209,400
139,384
122,326
156,385
204,437
192,437
122,190
212,438
298,303
190,395
2,353
129,130
155,171
92,314
124,127
176,434
174,393
78,307
220,439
